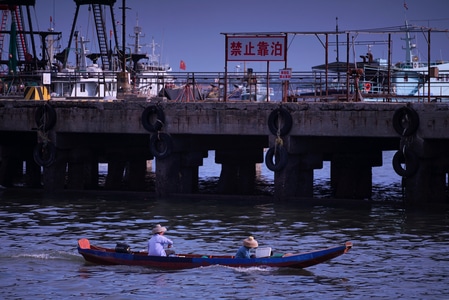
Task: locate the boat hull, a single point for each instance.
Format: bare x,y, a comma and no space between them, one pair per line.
106,256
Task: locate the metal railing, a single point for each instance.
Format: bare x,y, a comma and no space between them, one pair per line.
314,85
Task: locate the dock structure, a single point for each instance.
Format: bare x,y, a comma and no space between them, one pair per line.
62,142
129,111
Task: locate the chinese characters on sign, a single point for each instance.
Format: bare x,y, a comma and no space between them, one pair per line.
255,48
285,74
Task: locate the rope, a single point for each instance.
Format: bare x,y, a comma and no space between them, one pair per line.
41,134
278,133
43,137
406,120
278,141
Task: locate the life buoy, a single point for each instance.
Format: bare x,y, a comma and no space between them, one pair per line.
45,117
405,121
280,121
161,145
367,87
409,159
276,158
153,118
44,154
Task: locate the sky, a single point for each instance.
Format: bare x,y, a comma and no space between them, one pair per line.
191,31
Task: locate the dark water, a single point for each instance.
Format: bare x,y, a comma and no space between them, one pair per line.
397,254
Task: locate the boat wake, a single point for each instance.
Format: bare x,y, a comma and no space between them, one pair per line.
52,255
253,269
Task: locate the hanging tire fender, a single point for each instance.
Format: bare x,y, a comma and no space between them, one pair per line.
405,121
153,118
276,158
45,117
161,145
44,154
407,157
280,121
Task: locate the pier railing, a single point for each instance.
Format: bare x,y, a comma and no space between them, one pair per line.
302,86
316,85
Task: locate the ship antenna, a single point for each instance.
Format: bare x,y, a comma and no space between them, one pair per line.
137,35
153,56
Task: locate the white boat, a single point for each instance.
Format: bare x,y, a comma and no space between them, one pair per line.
149,75
258,92
410,78
84,81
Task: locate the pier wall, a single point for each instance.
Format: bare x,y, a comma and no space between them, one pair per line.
351,135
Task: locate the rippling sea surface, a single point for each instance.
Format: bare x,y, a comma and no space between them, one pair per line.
397,254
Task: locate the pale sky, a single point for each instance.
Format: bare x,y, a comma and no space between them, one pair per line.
191,30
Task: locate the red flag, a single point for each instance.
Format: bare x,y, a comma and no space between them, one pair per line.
182,65
405,6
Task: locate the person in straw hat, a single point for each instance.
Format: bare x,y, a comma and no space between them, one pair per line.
248,244
158,241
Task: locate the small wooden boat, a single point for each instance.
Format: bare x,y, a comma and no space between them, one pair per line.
122,255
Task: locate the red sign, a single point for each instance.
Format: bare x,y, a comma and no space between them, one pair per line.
256,48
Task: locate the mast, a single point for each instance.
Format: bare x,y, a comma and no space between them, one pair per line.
409,47
137,35
336,36
154,58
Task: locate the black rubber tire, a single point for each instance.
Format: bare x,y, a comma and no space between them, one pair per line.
45,117
276,158
282,116
44,154
405,121
410,159
149,114
161,145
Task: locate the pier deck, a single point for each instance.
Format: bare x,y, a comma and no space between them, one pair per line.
126,134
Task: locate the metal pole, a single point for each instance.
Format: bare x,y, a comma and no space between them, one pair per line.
225,96
71,35
336,30
347,66
268,81
338,54
327,62
428,66
285,83
389,68
123,34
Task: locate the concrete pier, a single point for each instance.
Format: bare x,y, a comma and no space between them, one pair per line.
351,136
